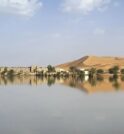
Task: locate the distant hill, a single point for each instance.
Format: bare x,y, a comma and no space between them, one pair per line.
94,61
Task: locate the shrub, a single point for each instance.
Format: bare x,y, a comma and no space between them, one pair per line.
122,71
50,68
10,73
100,71
114,70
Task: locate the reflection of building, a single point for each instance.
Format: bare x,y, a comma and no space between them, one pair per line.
86,77
89,86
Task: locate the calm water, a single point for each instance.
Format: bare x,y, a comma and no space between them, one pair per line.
65,106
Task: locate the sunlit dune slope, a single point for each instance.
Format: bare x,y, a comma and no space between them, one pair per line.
94,61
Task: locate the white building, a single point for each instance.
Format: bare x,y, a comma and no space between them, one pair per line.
86,72
60,70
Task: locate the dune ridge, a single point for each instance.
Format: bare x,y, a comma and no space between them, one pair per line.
103,62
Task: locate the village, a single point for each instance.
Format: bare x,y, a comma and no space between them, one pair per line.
35,70
85,73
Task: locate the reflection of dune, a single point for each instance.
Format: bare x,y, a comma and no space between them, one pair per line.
104,86
96,86
90,86
74,83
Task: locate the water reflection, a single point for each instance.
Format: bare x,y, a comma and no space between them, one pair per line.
96,84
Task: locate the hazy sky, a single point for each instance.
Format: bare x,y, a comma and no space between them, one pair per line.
46,32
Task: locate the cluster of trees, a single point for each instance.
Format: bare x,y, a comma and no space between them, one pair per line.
114,70
50,68
76,72
7,72
93,72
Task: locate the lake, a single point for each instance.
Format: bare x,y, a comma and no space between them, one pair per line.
33,105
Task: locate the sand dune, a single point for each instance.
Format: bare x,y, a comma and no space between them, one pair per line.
95,61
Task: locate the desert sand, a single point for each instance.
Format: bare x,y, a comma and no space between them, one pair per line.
95,61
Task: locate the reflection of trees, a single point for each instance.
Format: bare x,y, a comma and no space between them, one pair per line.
4,72
100,78
122,77
11,78
80,79
92,72
75,82
93,81
114,80
116,84
50,81
4,80
10,73
72,84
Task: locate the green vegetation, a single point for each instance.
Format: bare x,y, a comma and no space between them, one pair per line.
52,71
51,81
4,72
50,68
122,71
93,81
114,70
10,72
122,77
72,69
72,84
113,78
100,71
76,72
92,72
81,74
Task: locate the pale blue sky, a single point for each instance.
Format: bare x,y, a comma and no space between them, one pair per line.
55,31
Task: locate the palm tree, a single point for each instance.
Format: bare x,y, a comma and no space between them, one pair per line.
100,71
72,69
114,70
10,73
92,72
50,68
5,71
